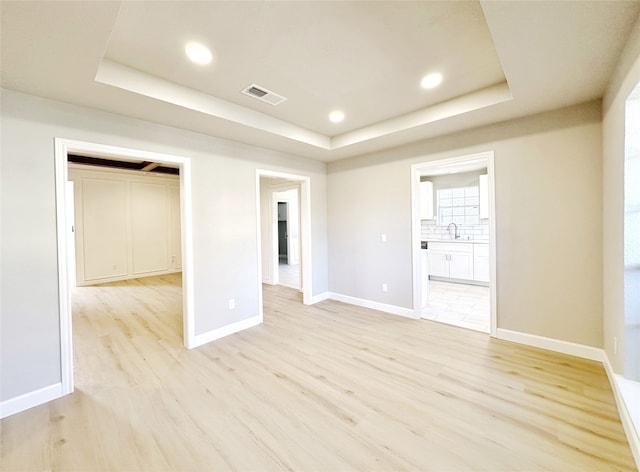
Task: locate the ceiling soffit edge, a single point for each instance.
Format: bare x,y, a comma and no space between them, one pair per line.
126,78
117,75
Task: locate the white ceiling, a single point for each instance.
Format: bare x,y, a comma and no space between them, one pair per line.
500,60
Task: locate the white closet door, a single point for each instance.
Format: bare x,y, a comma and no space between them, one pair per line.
149,226
176,242
104,228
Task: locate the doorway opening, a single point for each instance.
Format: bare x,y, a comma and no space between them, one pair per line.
284,230
287,272
283,209
453,234
66,235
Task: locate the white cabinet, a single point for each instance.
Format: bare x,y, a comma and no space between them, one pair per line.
484,196
452,260
426,200
464,261
438,263
461,265
481,262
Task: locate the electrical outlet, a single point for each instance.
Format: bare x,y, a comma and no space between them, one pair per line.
615,345
383,237
385,288
232,303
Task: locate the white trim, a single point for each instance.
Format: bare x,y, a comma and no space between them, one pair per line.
319,298
186,216
137,275
394,310
64,291
259,248
416,239
233,328
423,168
556,345
306,283
275,235
493,248
62,148
295,287
29,400
624,396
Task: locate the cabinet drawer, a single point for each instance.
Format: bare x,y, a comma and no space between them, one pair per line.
481,249
451,247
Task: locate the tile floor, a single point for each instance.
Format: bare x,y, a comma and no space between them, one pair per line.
289,275
461,305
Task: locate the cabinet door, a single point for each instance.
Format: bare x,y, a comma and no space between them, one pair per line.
426,200
481,262
461,266
438,264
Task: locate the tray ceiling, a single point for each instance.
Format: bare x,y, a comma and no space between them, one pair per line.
499,60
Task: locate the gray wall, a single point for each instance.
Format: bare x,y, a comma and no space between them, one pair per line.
224,225
549,221
625,78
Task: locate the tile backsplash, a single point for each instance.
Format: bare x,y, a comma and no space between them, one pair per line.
431,230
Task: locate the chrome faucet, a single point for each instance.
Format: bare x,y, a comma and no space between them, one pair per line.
455,233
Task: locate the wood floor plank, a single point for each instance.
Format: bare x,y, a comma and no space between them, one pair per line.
326,387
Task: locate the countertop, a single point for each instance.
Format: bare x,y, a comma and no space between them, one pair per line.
460,240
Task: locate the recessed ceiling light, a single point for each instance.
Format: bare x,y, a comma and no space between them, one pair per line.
336,116
431,80
198,53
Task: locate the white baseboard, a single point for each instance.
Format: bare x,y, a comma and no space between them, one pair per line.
627,395
89,283
295,287
209,336
394,310
30,400
267,280
319,298
564,347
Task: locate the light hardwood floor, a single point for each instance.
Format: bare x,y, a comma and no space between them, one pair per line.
330,387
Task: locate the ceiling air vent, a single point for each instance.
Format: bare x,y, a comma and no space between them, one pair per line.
263,94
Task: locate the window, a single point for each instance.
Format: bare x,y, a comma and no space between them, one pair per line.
459,205
632,236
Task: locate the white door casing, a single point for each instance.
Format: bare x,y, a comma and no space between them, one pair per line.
418,170
303,184
63,147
